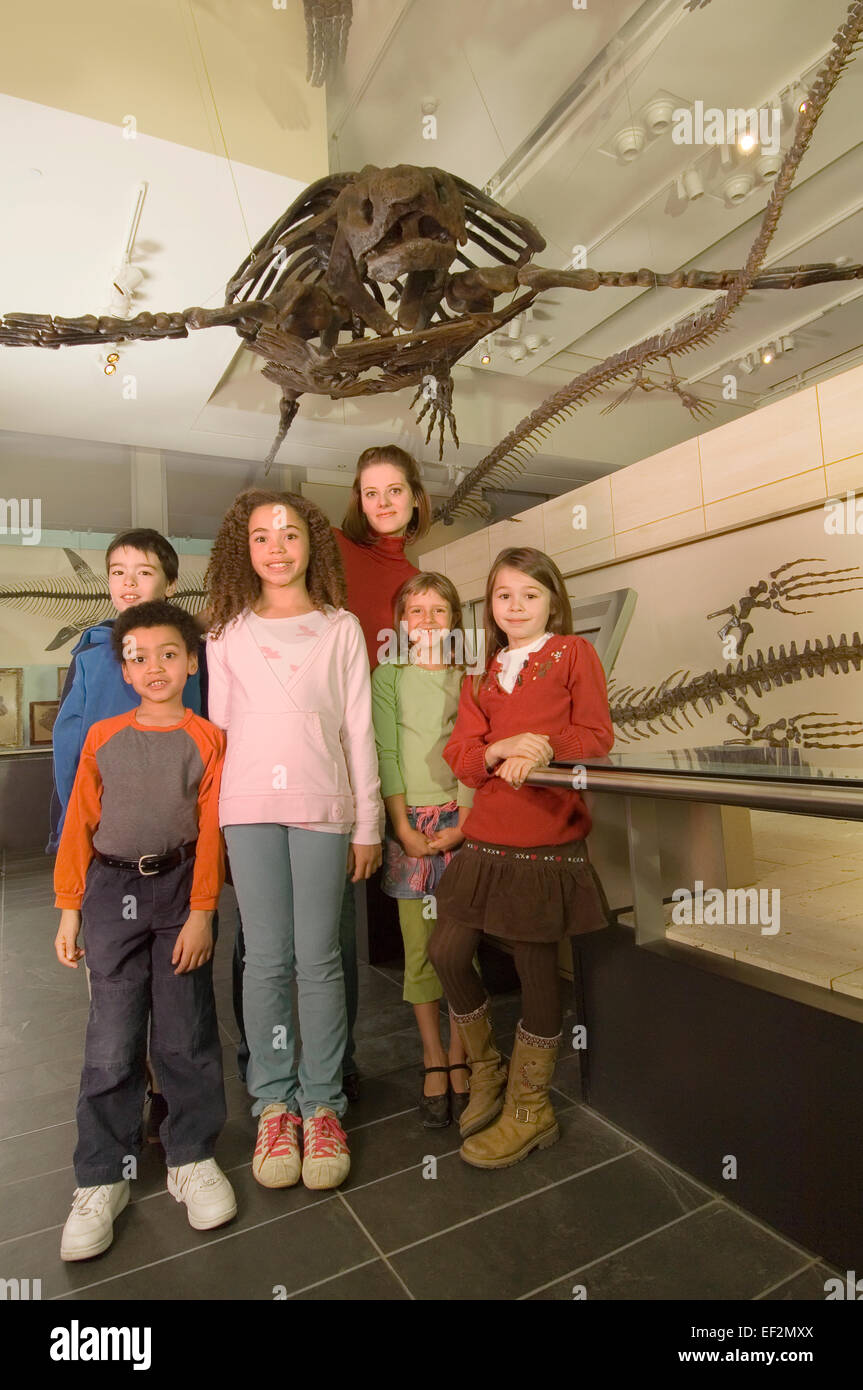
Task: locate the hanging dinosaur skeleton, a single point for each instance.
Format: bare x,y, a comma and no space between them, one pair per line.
310,298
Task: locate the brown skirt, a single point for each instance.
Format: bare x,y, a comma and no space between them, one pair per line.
540,894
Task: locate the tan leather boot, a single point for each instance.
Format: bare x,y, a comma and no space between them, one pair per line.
487,1071
527,1121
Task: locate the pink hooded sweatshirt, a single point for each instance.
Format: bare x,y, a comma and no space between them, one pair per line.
303,753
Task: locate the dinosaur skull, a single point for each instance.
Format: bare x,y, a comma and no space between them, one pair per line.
400,220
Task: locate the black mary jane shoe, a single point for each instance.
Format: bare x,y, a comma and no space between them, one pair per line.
351,1087
434,1109
458,1100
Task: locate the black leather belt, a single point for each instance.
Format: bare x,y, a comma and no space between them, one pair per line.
150,864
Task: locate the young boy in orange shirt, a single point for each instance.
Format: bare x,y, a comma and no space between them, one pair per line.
142,854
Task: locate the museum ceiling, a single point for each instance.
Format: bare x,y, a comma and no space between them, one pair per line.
554,110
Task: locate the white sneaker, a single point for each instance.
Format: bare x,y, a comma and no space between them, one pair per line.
89,1226
208,1195
326,1161
276,1161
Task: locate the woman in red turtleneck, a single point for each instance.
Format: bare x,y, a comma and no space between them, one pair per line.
389,508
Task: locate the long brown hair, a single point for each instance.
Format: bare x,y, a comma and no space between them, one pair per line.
539,566
355,524
231,583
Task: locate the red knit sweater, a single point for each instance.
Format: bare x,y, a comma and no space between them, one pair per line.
374,575
560,692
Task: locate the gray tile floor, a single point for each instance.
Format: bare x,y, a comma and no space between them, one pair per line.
596,1215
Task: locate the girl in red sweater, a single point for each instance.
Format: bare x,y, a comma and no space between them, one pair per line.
523,874
389,509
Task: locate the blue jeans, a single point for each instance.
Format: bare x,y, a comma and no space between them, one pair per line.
348,942
132,981
289,885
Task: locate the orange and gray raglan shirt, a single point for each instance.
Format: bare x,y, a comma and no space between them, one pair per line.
145,789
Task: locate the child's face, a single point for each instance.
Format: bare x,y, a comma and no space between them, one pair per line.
156,663
136,576
520,606
427,612
387,500
278,546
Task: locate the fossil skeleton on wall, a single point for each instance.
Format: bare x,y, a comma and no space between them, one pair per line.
783,587
352,292
84,600
327,25
636,713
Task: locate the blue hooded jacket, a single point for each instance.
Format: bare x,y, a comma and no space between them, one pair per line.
95,689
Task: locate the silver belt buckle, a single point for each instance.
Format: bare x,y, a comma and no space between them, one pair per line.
147,873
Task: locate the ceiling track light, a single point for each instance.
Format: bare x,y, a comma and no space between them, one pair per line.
767,354
745,365
517,352
629,142
513,328
658,115
737,187
693,187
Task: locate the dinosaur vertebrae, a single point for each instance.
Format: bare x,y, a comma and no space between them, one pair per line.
636,712
514,450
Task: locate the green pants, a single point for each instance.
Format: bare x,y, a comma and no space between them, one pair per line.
422,985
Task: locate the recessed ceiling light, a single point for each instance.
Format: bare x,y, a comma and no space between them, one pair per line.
629,143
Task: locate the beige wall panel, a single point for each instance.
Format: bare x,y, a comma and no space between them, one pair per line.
467,560
767,501
584,557
772,444
662,486
841,416
433,560
524,529
845,476
557,516
659,533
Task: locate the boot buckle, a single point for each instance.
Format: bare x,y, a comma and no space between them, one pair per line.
522,1114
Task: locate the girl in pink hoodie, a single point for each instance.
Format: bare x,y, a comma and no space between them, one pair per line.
299,804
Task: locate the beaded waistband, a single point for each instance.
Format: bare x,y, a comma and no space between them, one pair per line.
573,853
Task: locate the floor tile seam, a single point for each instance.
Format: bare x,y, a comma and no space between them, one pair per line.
716,1196
524,1197
331,1277
370,1238
411,1166
181,1254
610,1254
810,1264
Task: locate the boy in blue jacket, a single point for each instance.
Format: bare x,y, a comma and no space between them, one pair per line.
141,565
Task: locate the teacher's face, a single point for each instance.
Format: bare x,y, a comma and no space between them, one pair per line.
386,499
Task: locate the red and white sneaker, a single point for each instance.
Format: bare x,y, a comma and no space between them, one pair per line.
277,1161
326,1161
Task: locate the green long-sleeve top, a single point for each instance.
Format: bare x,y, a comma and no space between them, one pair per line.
414,714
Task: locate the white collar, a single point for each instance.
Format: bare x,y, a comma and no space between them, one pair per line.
512,659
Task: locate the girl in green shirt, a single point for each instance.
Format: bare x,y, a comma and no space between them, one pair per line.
414,705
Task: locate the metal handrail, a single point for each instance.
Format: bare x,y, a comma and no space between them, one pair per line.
797,798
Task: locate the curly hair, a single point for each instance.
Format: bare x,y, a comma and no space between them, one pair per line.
231,583
155,613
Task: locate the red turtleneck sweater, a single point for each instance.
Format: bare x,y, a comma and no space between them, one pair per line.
374,575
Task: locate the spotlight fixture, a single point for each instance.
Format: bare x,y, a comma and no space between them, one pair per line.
628,143
658,115
692,185
533,342
767,355
517,352
767,166
745,365
788,343
485,355
737,187
747,142
108,362
513,328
